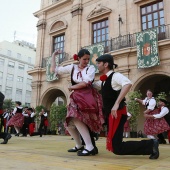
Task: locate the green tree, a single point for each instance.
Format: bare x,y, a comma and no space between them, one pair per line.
8,104
134,109
57,115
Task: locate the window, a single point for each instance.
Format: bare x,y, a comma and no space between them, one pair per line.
20,79
8,91
1,75
11,64
18,56
100,32
21,67
59,45
28,104
153,16
1,62
10,77
9,53
18,95
28,94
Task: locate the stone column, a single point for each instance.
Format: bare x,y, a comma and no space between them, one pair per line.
76,26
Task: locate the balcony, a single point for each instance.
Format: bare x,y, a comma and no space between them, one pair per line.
129,40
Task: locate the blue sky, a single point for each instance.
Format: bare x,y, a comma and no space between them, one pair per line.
17,15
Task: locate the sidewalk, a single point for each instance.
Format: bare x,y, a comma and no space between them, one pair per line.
50,153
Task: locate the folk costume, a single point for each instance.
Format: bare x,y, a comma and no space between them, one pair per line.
18,119
85,104
110,91
43,123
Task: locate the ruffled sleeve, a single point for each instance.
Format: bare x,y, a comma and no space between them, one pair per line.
63,70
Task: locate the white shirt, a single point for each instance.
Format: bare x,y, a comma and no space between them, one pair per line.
152,103
164,111
78,76
117,82
45,114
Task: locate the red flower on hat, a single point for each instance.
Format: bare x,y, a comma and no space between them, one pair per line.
75,56
103,77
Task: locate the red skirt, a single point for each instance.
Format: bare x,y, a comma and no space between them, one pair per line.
87,111
17,120
31,128
155,126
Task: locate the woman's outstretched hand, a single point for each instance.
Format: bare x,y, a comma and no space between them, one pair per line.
53,62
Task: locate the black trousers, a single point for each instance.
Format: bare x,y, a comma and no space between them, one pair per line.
41,127
3,135
143,147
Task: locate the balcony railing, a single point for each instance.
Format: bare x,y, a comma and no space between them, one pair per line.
129,40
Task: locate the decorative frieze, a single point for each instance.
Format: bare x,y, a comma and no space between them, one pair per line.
41,24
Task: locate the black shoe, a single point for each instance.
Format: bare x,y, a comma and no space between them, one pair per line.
155,154
6,139
96,150
92,152
162,141
17,134
76,149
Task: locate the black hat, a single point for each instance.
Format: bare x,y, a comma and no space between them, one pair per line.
163,100
107,58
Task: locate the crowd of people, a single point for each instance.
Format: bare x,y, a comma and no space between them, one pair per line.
21,121
88,110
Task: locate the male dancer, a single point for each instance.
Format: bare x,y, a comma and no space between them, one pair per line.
114,90
3,135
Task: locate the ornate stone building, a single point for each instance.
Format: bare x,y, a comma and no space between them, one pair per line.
72,24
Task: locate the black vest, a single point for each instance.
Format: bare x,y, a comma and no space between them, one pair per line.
110,96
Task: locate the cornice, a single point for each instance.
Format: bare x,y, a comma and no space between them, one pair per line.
50,7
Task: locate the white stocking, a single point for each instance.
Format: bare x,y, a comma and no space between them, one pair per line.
17,129
150,137
76,136
82,128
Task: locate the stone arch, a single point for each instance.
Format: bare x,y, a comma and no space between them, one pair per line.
57,26
50,95
157,81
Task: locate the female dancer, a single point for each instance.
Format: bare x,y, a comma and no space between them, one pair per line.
84,113
18,119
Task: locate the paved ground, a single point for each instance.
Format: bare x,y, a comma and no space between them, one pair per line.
50,153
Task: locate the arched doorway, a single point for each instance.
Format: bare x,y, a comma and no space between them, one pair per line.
51,95
157,83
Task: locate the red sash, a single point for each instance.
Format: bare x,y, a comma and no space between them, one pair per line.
113,124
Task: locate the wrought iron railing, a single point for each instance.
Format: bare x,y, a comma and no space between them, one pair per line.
129,40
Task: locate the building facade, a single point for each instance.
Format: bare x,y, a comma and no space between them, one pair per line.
70,25
15,60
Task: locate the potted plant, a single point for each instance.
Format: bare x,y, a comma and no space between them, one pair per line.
134,109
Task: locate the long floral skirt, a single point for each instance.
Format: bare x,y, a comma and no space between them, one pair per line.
91,113
155,126
17,120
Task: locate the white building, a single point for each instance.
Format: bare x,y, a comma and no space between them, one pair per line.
15,60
